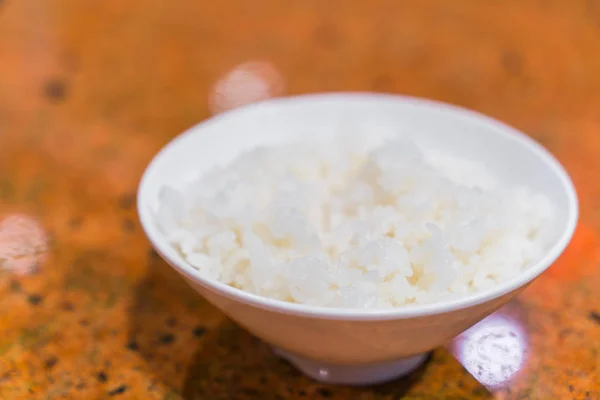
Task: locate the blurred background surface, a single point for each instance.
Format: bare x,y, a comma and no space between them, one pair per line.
90,90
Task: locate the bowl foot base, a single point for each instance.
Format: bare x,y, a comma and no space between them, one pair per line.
356,375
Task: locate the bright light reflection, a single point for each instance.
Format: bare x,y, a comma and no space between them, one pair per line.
23,243
493,351
247,83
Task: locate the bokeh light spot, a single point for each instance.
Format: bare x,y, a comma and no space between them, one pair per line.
23,243
247,83
493,351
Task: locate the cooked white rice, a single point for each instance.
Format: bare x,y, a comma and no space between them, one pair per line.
355,224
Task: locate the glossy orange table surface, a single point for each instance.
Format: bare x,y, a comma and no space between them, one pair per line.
90,90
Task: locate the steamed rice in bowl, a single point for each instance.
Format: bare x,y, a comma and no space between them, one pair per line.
360,222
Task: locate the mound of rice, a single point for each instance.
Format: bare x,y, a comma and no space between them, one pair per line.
355,224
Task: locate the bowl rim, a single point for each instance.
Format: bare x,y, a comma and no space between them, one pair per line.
166,251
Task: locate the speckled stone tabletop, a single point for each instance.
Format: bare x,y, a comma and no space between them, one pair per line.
90,90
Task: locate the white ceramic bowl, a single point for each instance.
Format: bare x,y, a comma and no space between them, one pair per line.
352,346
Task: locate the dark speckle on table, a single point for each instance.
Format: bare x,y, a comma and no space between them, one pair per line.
66,306
126,201
199,331
34,299
55,90
102,377
595,316
118,390
166,338
133,345
75,223
128,225
324,392
51,362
